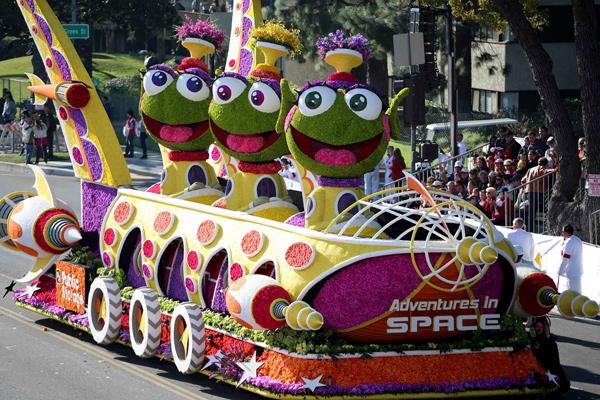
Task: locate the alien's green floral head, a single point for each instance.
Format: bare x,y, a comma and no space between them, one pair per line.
338,129
243,115
174,107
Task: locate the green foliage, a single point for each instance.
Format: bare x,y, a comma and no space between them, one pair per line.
124,85
483,12
82,255
376,20
118,274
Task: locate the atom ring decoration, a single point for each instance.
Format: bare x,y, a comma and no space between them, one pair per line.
465,248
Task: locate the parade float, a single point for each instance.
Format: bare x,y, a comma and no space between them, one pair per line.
406,293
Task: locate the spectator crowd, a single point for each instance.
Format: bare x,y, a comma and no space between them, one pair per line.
508,179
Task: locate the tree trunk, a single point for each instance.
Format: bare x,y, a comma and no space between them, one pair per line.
110,39
562,207
377,75
588,66
160,45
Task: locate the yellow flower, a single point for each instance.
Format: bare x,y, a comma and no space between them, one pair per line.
275,32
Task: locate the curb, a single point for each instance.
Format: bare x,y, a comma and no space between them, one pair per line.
23,168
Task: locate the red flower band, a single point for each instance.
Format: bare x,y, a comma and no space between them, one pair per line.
192,62
188,155
343,76
259,73
266,168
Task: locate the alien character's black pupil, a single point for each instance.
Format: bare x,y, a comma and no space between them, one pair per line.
313,100
358,102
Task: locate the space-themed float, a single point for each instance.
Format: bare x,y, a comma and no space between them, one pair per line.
414,294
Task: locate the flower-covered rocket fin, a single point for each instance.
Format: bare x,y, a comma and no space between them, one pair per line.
42,186
95,151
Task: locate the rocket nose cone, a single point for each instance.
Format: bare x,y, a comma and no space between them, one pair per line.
72,235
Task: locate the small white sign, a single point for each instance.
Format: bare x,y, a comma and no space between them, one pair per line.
594,185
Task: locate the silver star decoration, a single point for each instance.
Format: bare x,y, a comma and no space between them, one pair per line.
214,359
552,377
29,291
250,369
312,384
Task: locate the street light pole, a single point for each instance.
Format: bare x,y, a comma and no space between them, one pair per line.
73,11
452,108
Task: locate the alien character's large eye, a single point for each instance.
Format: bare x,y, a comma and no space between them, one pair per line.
364,103
226,89
316,100
156,80
192,87
263,98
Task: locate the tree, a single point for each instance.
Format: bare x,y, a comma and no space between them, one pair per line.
377,20
140,19
524,17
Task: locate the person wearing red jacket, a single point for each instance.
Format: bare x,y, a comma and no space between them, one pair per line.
130,125
398,165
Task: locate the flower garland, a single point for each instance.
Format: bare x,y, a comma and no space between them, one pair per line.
275,32
337,40
201,30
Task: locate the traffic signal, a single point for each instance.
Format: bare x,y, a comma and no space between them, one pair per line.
84,49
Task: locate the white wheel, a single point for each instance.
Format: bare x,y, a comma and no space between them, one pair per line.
104,309
188,338
144,322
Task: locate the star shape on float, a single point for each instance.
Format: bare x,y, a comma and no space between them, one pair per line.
249,368
29,291
552,377
10,288
312,384
214,359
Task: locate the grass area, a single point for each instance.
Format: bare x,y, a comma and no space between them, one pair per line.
405,149
15,158
106,67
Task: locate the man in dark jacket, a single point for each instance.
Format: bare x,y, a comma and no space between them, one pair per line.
50,122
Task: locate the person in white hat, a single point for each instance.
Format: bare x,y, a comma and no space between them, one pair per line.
550,153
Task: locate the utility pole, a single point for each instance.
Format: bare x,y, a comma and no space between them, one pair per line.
452,108
73,11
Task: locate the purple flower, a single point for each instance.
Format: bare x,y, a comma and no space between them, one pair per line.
201,30
337,41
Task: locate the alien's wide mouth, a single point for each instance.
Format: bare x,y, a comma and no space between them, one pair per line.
247,144
175,133
335,155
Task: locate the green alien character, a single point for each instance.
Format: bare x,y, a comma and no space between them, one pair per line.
174,108
337,130
243,115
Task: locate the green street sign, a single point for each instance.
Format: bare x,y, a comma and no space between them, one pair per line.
96,82
77,31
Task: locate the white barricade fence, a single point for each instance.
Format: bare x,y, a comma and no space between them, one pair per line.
548,249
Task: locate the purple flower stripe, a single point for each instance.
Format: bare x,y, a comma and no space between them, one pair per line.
164,68
247,26
233,75
60,312
201,74
337,85
43,25
368,87
95,200
273,84
31,4
62,64
245,6
297,220
79,122
311,84
337,182
93,158
246,60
